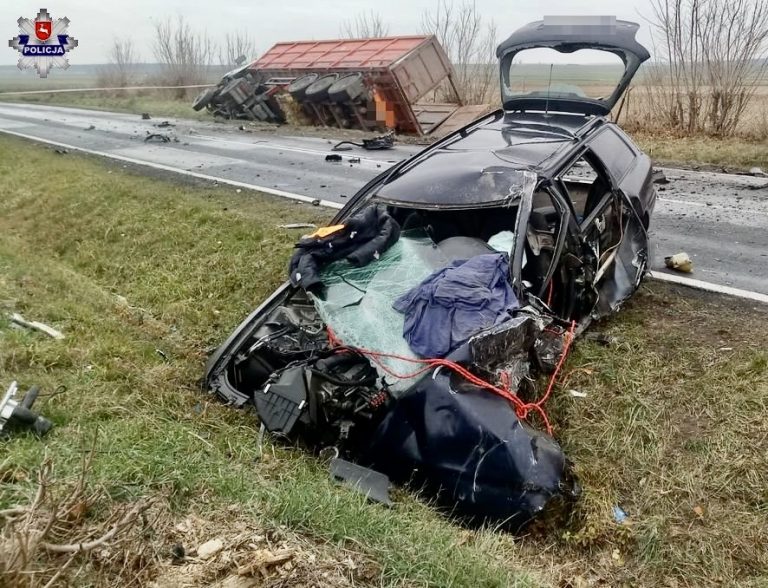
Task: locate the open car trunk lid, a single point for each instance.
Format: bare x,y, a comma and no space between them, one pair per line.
567,34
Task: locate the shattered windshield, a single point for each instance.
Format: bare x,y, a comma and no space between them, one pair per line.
456,177
542,72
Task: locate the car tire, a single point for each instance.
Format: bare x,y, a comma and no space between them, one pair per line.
318,91
347,88
298,87
204,98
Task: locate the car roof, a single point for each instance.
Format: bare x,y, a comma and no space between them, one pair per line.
488,162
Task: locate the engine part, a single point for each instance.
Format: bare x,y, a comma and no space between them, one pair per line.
323,401
13,412
282,402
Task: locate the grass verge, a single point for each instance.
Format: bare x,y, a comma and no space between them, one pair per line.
156,103
189,264
711,153
672,429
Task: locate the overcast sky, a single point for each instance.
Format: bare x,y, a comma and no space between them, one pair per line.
95,23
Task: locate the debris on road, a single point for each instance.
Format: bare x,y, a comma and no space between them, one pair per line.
89,128
164,124
659,177
680,262
157,138
145,116
19,414
17,319
375,144
757,171
333,157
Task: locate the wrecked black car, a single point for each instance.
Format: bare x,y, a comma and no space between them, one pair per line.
421,333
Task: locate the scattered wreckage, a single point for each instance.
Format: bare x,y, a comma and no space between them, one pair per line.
420,334
18,414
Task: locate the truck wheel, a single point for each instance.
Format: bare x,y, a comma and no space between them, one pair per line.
347,88
318,91
298,87
204,98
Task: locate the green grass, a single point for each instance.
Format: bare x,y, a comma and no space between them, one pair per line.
153,102
191,263
674,418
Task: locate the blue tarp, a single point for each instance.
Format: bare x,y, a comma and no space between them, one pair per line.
456,302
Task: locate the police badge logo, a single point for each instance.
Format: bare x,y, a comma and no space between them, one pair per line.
43,43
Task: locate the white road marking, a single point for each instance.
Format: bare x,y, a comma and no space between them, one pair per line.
709,286
177,170
664,277
705,205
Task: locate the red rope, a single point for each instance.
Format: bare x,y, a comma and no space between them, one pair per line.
522,409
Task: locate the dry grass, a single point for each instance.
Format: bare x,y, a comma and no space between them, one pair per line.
672,428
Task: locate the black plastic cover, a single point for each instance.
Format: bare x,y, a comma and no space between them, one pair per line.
282,402
467,445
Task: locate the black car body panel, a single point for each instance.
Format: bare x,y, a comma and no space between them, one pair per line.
566,35
574,196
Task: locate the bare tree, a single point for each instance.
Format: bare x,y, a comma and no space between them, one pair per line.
714,51
365,25
185,54
236,46
470,42
120,71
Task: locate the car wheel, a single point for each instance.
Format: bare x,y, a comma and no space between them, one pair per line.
347,88
318,91
204,98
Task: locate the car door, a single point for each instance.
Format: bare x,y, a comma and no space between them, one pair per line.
602,215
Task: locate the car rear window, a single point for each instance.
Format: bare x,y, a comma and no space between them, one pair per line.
614,152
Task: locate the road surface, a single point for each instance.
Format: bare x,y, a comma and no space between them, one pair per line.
720,220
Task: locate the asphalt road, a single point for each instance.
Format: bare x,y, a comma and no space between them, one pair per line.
720,220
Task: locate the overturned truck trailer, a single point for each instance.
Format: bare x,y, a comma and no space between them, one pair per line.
379,80
369,84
